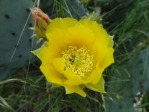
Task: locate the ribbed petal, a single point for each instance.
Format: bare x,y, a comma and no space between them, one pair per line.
98,87
75,89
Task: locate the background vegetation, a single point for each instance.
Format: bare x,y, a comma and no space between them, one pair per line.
23,88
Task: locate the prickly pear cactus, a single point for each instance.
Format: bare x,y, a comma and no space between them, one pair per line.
13,17
127,81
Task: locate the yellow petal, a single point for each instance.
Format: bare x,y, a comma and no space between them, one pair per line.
111,42
108,59
43,53
72,79
98,50
98,87
51,74
78,35
58,35
38,52
99,32
58,41
60,23
96,75
102,42
75,89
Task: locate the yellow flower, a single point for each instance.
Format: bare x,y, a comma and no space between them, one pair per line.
75,55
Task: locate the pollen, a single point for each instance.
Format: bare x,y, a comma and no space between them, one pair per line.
78,60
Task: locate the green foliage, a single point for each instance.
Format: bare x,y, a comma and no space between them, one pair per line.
64,8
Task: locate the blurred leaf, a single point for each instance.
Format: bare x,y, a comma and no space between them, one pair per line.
5,105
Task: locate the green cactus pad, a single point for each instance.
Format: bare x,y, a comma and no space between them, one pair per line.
127,81
13,17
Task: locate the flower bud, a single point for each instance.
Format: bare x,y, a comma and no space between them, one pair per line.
41,21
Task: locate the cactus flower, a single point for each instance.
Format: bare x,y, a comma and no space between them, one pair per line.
76,54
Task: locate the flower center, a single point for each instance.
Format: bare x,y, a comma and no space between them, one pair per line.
80,61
